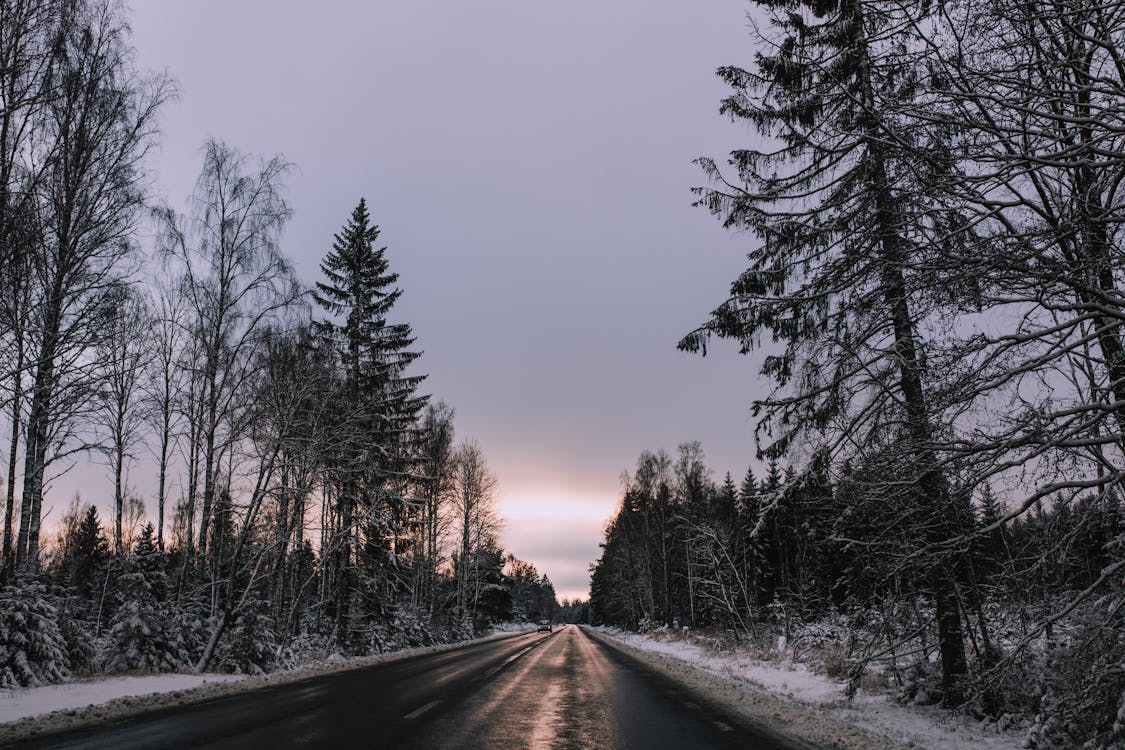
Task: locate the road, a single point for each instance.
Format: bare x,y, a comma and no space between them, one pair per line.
552,691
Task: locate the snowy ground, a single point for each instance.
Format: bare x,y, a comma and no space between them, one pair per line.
805,705
17,704
31,711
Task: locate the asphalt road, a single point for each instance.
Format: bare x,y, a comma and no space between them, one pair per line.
552,691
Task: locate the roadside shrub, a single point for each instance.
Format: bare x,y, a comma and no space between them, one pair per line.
921,684
405,630
1084,702
252,646
33,650
141,635
78,634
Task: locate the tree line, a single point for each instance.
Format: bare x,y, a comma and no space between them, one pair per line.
308,493
934,294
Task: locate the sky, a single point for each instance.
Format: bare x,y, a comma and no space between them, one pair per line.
530,166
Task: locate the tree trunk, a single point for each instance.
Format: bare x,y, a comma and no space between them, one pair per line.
35,451
213,641
118,497
942,523
13,454
162,478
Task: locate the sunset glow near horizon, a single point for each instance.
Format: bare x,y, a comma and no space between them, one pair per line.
532,188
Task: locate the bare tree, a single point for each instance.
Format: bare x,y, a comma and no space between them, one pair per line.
163,387
286,420
97,131
478,523
439,467
26,30
235,281
121,352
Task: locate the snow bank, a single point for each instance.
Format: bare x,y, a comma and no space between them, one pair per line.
28,712
17,704
804,705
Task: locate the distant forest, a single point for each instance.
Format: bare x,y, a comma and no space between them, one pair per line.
932,201
321,502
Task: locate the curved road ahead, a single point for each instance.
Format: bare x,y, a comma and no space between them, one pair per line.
551,691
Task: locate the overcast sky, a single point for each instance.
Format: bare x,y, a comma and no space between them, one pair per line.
529,164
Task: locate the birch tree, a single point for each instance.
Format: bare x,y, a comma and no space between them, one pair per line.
235,281
163,387
477,522
97,130
26,30
121,352
438,466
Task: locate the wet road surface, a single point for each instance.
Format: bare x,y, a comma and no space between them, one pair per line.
554,691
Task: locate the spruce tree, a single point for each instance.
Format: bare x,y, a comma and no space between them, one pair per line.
750,546
378,401
851,228
33,650
86,554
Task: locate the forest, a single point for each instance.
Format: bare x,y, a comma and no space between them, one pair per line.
932,205
310,497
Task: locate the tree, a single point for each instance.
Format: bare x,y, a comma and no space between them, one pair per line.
84,553
377,400
121,351
97,130
438,466
143,633
477,525
26,31
235,281
163,386
32,649
842,210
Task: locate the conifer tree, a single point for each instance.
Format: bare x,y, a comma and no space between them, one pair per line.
845,212
378,403
32,649
749,510
85,554
144,632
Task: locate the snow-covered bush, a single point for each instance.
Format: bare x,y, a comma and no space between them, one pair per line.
1007,684
33,650
921,684
186,623
141,637
305,648
406,629
251,646
78,634
1084,703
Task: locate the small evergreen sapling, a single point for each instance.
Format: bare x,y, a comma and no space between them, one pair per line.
142,635
253,645
32,648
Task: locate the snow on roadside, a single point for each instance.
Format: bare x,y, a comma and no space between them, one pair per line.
17,704
28,712
812,706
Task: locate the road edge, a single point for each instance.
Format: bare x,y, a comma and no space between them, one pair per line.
790,722
129,707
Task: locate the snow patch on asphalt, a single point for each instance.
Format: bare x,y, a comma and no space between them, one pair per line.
30,712
805,707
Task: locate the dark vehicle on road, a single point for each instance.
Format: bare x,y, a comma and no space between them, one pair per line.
544,626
